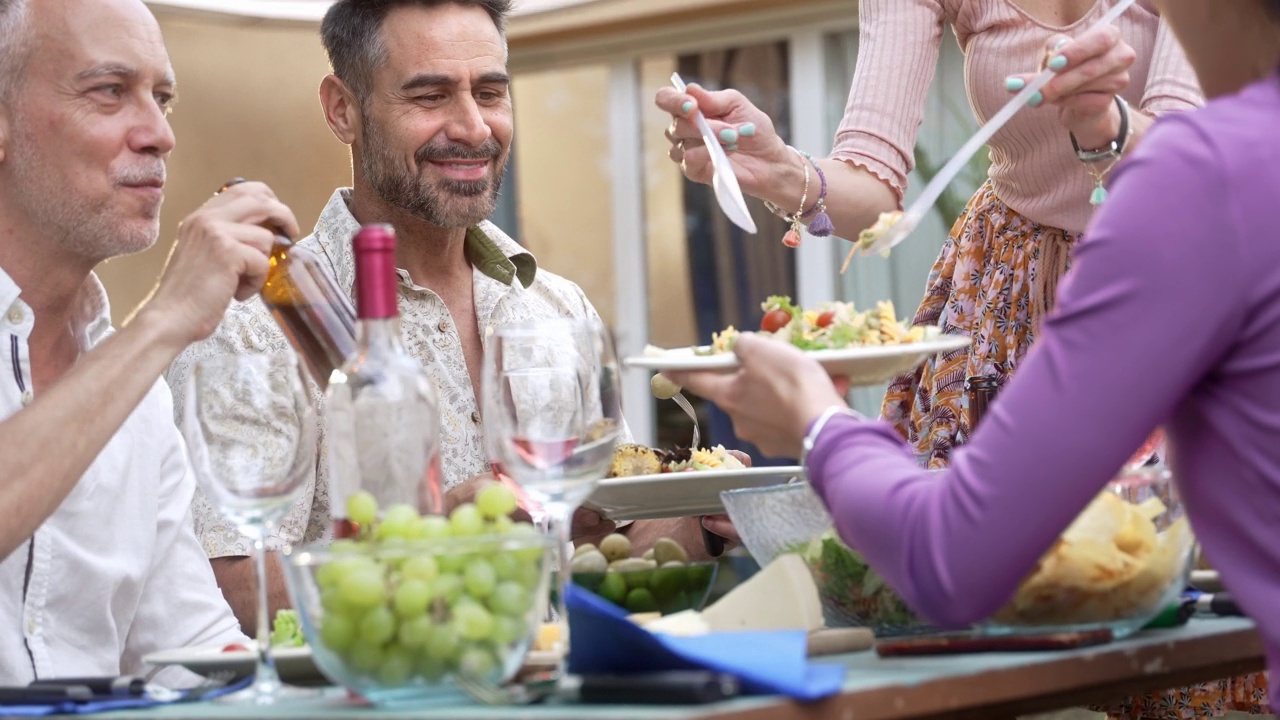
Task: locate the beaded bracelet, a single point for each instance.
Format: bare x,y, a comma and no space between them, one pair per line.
820,225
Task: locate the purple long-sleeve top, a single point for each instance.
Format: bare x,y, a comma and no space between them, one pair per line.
1169,317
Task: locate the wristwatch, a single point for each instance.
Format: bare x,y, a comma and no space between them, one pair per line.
1114,149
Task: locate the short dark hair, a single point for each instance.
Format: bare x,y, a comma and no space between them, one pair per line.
352,34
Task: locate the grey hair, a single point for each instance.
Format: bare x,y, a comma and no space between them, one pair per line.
14,45
352,34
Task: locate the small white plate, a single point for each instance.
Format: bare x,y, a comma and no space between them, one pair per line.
864,365
679,494
294,664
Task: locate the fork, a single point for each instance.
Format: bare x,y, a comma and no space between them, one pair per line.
713,543
924,203
526,692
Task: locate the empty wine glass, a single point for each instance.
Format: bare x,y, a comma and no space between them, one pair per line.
250,426
552,415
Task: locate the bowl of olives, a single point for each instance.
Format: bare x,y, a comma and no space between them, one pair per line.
661,579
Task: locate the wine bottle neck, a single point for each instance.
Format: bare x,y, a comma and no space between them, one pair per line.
378,332
376,285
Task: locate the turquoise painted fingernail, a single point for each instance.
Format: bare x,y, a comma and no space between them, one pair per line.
728,136
1058,62
731,148
747,130
1014,84
1036,99
687,107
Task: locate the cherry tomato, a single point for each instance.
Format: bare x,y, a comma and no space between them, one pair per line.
826,318
235,647
775,320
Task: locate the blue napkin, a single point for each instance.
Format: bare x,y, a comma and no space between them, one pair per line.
603,640
106,704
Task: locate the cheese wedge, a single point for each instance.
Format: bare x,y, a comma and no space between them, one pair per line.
782,596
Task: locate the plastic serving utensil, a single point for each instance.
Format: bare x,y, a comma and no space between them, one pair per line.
914,214
723,181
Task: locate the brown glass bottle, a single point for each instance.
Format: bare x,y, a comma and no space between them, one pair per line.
314,313
981,390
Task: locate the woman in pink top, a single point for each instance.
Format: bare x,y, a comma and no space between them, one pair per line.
998,270
1170,317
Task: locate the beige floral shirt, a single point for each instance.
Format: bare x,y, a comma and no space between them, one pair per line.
509,287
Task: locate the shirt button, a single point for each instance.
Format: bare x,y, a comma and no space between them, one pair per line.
442,327
27,397
475,417
15,314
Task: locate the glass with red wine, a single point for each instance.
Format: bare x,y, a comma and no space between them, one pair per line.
552,415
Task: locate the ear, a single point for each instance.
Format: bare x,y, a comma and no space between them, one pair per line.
341,109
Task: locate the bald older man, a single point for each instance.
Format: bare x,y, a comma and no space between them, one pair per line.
99,564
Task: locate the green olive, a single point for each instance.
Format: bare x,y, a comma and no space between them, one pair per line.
583,549
589,562
666,550
616,547
626,564
662,388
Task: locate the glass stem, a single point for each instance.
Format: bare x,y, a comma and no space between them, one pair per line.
266,681
558,523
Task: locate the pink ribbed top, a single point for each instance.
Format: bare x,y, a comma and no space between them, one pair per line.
1033,168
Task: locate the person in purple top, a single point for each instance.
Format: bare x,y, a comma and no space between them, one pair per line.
1170,316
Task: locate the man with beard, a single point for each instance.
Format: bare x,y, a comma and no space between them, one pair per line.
420,92
99,565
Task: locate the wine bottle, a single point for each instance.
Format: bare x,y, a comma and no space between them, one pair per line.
383,409
314,313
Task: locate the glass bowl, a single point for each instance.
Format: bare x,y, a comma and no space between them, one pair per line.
1122,561
417,621
791,518
667,589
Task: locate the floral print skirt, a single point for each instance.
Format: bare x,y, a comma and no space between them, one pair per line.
986,283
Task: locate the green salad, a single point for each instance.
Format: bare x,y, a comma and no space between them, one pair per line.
850,590
829,326
286,631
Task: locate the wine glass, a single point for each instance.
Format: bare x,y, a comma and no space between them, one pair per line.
250,426
552,413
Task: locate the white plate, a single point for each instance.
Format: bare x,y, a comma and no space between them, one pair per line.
294,664
679,494
862,365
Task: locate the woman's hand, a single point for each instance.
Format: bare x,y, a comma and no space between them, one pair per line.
772,398
755,150
1091,70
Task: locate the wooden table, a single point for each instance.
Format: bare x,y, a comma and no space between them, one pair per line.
987,685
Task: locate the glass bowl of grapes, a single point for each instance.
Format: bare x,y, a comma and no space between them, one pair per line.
661,579
424,609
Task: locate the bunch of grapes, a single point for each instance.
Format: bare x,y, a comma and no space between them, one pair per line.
426,596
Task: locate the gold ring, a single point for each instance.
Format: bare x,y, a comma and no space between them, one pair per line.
229,183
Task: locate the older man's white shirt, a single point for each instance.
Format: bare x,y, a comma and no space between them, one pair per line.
116,572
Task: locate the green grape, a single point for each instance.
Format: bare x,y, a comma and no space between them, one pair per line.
420,567
505,566
528,575
415,633
442,643
378,625
509,598
411,598
508,630
431,669
331,600
447,587
364,656
396,667
362,588
344,545
466,520
477,662
536,550
495,500
431,527
474,621
452,561
501,525
362,508
328,575
479,578
337,631
398,522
